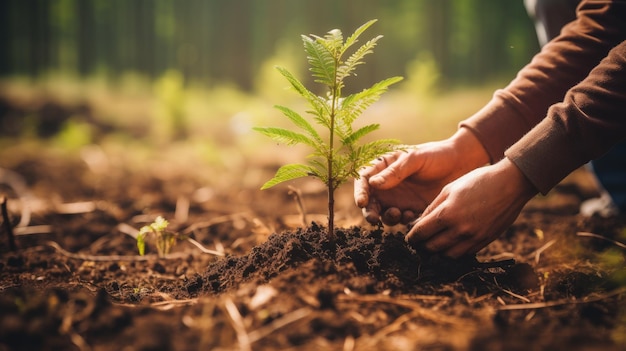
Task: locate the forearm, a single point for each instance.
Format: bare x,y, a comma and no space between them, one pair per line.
472,153
586,125
562,63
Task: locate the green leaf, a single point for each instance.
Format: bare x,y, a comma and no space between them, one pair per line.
333,165
316,102
353,38
141,239
300,122
356,59
354,137
354,105
286,136
333,40
295,82
321,60
321,168
289,172
159,224
364,154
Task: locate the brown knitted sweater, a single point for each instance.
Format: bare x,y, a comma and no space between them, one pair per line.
568,105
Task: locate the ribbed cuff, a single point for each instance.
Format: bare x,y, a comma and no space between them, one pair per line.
498,125
544,154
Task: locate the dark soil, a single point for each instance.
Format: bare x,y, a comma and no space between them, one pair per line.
80,285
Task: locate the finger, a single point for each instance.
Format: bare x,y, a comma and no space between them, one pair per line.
372,212
377,165
392,216
425,227
361,192
441,242
479,246
361,185
461,249
400,167
408,216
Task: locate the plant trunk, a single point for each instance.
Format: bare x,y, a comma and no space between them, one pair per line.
331,212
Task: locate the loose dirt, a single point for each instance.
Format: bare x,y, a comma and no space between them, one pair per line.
77,282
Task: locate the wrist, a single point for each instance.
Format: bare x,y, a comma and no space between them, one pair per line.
522,184
472,153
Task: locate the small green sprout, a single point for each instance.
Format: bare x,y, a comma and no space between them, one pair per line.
164,240
338,156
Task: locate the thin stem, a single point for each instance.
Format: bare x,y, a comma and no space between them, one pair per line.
331,179
331,214
7,224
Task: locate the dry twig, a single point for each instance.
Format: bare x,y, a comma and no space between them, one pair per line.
238,325
422,312
539,251
539,305
204,249
592,235
163,305
285,320
391,328
214,221
33,229
7,224
517,296
107,258
18,184
297,195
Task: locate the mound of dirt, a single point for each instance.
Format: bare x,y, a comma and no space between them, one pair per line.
373,260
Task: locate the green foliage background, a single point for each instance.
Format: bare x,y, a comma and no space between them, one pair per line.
212,42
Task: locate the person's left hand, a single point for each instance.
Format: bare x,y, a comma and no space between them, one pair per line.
473,210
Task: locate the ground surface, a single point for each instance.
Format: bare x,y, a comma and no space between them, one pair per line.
77,282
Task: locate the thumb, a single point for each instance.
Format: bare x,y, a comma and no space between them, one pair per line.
395,173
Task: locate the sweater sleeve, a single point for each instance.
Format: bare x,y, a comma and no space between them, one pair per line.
561,64
590,120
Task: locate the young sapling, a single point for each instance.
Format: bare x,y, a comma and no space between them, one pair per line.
338,156
164,239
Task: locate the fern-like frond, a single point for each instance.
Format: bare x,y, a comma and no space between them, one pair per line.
333,41
321,60
359,133
300,122
321,117
289,172
354,105
321,167
342,130
348,67
286,136
365,154
318,103
295,82
353,38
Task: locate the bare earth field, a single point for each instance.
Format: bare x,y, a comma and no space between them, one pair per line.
259,276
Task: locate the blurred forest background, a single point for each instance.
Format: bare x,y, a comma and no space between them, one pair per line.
227,41
196,75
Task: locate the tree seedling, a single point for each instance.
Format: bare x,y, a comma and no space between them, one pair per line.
164,240
339,156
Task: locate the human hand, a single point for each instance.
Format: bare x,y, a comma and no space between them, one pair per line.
399,186
473,210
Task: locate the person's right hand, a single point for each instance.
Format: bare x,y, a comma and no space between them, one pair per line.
400,185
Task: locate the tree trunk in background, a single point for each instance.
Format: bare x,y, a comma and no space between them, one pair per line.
216,41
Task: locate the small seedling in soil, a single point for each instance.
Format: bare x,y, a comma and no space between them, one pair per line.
164,240
339,156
